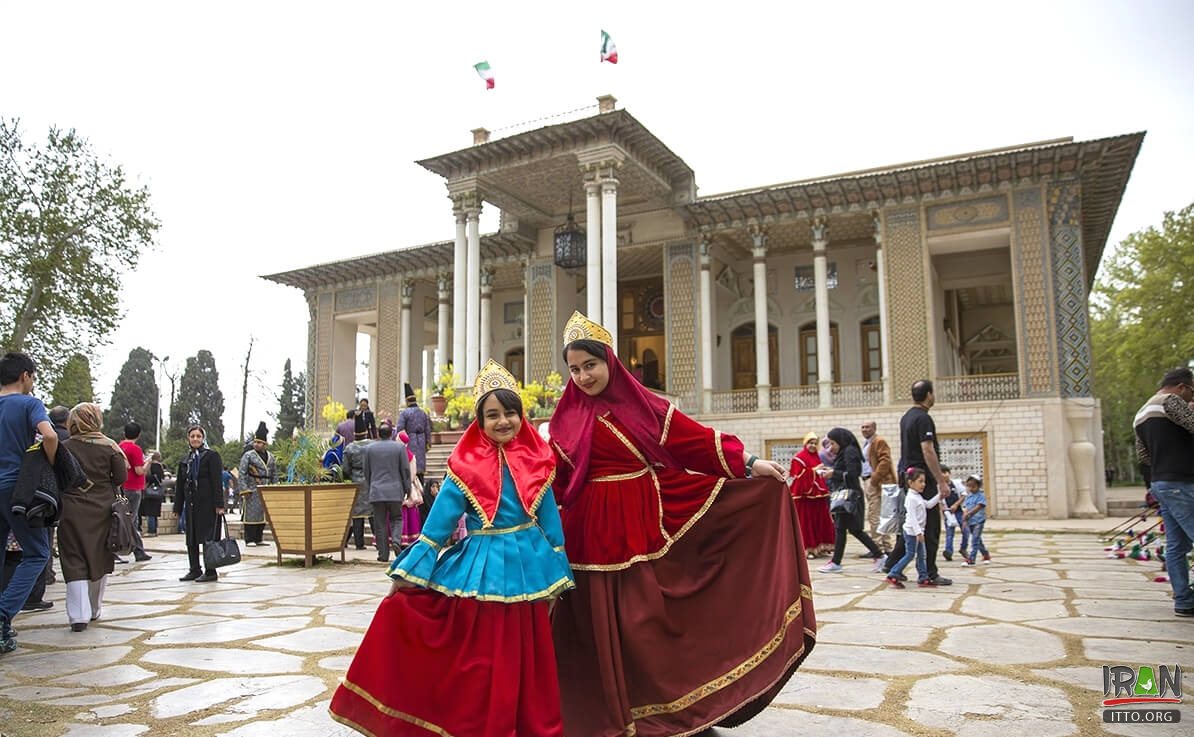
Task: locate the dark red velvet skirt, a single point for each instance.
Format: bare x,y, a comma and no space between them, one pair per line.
707,634
447,666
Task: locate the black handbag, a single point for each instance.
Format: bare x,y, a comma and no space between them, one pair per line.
219,552
155,492
121,538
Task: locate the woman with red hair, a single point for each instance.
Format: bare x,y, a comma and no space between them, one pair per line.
692,605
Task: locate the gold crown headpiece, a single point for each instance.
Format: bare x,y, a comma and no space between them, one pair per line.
492,376
580,327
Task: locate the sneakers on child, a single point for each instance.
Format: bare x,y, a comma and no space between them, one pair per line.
879,564
967,562
927,583
894,582
830,567
986,557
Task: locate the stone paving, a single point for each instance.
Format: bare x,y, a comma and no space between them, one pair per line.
1017,644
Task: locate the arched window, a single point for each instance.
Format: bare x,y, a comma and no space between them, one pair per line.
872,355
808,353
742,355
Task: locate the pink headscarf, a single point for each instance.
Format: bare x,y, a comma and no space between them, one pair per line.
410,454
635,407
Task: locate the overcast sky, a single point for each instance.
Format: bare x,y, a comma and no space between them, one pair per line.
277,135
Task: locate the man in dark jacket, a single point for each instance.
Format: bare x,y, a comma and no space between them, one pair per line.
1165,448
387,472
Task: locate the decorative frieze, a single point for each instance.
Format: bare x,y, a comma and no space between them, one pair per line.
970,214
1069,290
356,299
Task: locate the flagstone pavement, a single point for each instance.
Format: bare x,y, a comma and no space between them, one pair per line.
1015,645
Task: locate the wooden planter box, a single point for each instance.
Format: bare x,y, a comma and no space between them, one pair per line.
308,519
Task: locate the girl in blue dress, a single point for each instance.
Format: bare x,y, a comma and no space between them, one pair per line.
462,643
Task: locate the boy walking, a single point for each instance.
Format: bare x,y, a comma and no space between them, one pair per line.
974,516
915,512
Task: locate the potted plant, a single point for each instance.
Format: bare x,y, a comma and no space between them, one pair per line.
443,391
309,510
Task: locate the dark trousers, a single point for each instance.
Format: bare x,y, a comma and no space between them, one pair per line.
358,531
387,532
12,559
842,524
254,533
134,498
193,542
932,539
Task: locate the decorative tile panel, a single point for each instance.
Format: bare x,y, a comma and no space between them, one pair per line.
681,312
1031,263
969,214
541,326
1069,293
321,373
309,401
357,298
389,345
906,305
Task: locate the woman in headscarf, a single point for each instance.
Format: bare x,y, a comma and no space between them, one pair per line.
87,513
692,605
199,493
846,473
462,643
811,496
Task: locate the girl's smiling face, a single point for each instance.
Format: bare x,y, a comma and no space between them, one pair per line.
588,372
499,423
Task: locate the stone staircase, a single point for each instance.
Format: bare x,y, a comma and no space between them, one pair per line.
437,455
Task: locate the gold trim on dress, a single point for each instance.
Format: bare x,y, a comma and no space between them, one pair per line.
562,584
643,460
503,530
430,543
622,476
472,499
806,591
350,723
728,678
563,454
721,455
391,712
667,424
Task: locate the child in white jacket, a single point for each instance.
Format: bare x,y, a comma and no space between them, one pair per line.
914,530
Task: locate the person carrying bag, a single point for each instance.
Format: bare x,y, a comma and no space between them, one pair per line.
220,551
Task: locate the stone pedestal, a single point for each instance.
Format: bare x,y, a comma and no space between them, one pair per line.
1078,413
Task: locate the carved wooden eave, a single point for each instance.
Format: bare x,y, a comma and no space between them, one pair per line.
1102,166
418,262
537,175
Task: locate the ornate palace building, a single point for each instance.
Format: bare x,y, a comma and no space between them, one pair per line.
972,270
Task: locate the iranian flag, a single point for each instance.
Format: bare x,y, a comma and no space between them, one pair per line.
487,74
609,52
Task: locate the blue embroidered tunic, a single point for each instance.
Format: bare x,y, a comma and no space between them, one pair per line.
519,558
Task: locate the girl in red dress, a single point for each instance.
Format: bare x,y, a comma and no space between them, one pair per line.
811,497
461,646
692,605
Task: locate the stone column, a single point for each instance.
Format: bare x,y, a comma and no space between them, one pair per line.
706,327
443,289
593,286
609,257
404,340
824,337
472,311
762,345
486,315
881,279
459,290
1078,412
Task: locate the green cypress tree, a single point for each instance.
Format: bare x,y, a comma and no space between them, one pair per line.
134,398
199,401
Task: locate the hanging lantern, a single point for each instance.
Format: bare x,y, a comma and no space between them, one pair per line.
571,245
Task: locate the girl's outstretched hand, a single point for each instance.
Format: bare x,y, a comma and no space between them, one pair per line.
399,584
770,469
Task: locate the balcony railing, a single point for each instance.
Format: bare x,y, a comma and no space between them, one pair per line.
977,388
862,394
794,397
736,402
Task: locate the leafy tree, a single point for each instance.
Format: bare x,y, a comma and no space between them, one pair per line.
200,401
134,398
74,383
71,227
291,402
1139,307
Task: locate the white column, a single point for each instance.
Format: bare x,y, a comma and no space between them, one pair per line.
593,257
486,312
762,345
459,290
609,258
824,338
404,340
443,284
706,328
472,310
881,272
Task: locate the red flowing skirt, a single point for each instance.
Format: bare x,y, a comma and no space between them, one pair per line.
452,667
706,634
816,524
